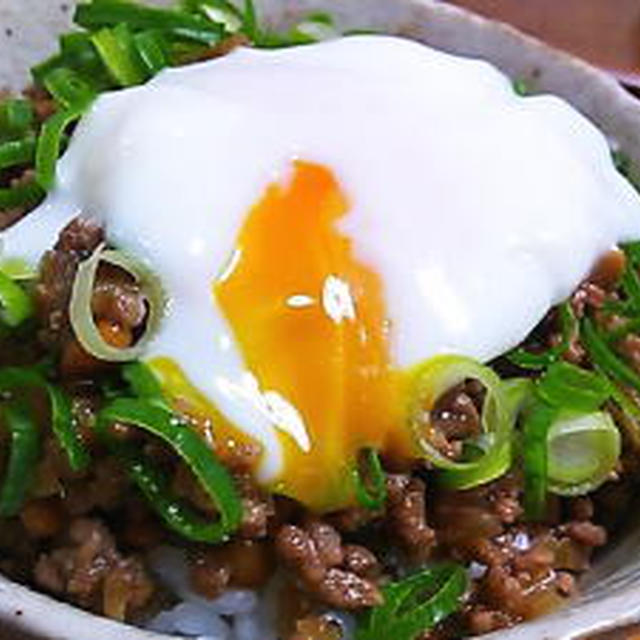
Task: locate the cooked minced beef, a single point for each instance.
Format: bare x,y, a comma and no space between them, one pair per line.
82,536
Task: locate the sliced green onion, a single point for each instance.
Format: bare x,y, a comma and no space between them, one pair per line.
415,604
604,358
25,449
118,51
50,142
536,425
18,269
315,28
16,117
213,477
431,380
567,386
370,480
220,11
564,395
522,87
81,315
630,284
152,50
15,304
17,152
68,88
77,53
250,23
62,424
627,416
569,327
143,383
516,392
109,13
632,251
583,449
21,195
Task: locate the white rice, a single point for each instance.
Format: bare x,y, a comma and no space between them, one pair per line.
238,614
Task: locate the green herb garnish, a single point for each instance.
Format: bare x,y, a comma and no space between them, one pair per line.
415,604
189,446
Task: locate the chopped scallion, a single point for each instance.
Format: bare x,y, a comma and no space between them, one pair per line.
414,604
430,381
25,449
212,475
583,449
118,51
17,152
50,143
369,480
12,378
569,327
68,88
15,304
81,315
110,13
16,117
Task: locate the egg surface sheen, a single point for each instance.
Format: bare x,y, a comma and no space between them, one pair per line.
324,217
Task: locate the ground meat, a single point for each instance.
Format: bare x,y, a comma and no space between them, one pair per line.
406,516
43,104
477,513
43,518
352,519
244,564
520,570
118,305
455,417
258,508
317,557
9,217
117,298
361,561
483,620
91,572
57,271
586,533
316,628
608,270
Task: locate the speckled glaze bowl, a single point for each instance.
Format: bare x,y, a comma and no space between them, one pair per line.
611,591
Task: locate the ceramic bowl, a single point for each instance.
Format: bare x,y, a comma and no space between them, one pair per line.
611,591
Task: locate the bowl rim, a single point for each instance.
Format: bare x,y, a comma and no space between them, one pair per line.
456,30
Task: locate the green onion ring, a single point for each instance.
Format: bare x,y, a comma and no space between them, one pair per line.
81,315
583,449
432,379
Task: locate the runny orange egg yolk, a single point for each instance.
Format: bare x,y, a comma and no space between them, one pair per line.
311,323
